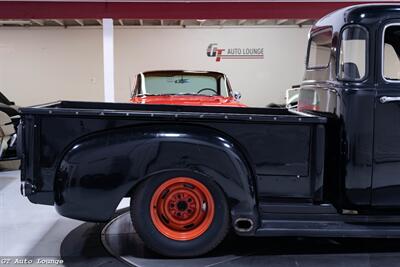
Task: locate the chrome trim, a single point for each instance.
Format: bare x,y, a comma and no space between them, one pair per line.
45,105
239,229
226,86
142,83
23,191
13,139
237,96
27,189
15,117
104,242
300,113
388,99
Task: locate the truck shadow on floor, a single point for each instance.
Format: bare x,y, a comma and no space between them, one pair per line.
87,245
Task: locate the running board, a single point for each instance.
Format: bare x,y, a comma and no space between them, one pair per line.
326,229
295,208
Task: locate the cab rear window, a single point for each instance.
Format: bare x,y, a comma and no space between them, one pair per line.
319,49
353,54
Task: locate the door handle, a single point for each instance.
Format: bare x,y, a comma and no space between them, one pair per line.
388,99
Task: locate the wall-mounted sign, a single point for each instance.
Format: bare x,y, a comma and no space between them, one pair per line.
234,53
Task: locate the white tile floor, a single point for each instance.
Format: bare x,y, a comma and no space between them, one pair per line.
30,230
27,229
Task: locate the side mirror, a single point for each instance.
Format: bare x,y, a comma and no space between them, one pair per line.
237,96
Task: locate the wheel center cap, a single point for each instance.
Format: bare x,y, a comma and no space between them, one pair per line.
182,205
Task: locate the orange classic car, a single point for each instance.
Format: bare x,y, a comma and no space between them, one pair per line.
190,88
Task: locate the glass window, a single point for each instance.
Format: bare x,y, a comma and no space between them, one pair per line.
353,54
391,51
182,84
319,49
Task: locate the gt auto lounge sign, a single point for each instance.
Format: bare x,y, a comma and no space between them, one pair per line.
234,53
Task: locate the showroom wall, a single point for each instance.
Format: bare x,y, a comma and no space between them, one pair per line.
39,65
56,63
260,81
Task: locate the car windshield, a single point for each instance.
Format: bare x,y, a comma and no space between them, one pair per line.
184,84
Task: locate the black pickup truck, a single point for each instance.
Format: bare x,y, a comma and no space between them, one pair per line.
330,168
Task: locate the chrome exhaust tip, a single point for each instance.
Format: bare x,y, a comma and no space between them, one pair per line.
243,225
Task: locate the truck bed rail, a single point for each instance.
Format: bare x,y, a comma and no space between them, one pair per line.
167,112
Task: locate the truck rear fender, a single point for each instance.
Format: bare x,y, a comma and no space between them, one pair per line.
100,169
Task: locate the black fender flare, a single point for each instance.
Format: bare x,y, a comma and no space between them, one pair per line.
99,170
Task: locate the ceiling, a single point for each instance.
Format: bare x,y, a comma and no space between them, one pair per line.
154,22
182,10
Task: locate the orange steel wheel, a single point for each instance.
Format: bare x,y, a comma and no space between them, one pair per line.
182,208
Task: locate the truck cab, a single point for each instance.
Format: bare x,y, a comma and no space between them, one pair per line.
352,76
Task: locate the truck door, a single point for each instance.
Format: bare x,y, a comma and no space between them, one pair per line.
386,166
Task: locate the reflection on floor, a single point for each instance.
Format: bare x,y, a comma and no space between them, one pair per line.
120,239
82,247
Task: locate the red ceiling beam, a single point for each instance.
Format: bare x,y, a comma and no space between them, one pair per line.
198,10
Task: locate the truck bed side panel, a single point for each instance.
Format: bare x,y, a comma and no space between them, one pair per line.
274,148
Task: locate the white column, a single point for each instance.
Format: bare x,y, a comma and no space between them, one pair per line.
108,59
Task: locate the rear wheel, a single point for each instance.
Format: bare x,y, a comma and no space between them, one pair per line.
182,215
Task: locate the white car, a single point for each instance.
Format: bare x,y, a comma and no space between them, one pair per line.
292,97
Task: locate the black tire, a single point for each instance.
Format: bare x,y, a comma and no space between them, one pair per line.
158,242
